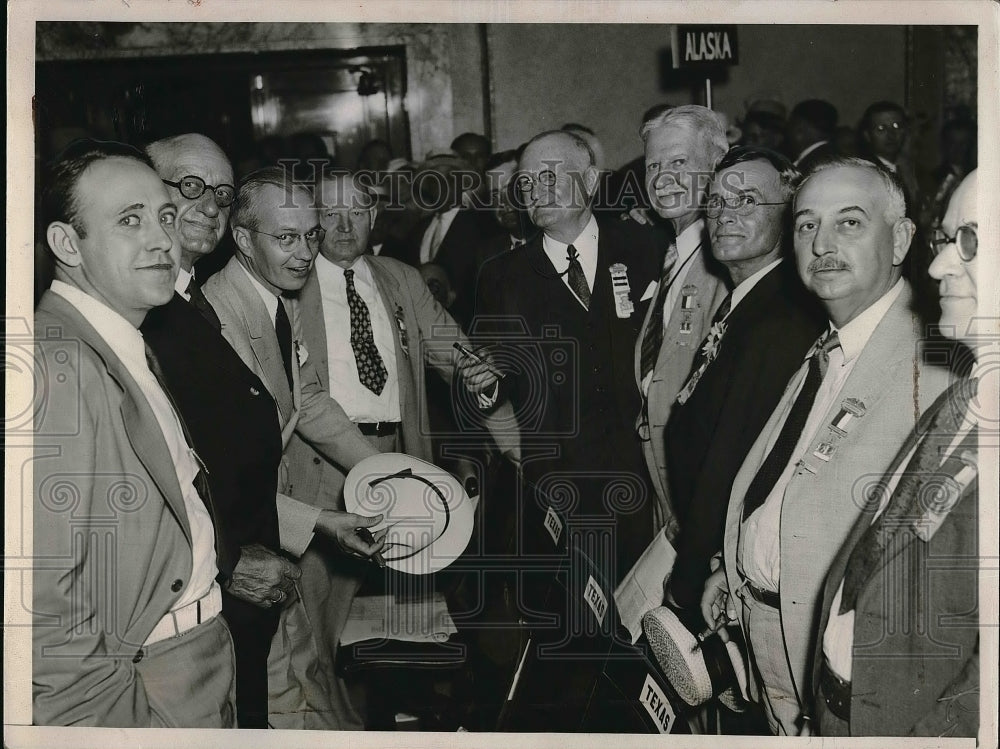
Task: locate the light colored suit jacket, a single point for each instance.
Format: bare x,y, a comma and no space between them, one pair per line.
111,533
306,408
423,332
673,365
824,498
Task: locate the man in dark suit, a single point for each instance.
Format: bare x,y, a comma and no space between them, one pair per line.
899,629
809,134
126,629
739,374
577,287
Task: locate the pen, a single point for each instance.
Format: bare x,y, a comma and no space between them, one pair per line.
366,535
473,355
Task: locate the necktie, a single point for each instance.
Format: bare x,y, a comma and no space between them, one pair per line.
921,480
200,480
197,297
577,279
653,336
284,330
776,460
371,368
708,351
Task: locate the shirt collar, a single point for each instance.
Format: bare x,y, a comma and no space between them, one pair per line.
123,337
585,243
183,280
747,284
689,240
327,270
887,164
266,295
854,335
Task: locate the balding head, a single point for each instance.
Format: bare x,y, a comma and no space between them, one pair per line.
201,220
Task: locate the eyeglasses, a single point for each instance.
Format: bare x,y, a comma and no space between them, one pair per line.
192,188
743,205
966,241
288,240
883,128
526,184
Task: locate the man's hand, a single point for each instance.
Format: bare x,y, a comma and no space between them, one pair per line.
262,577
476,375
639,215
716,604
341,526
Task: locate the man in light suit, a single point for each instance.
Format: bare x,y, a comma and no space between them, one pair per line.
899,622
852,402
409,330
683,145
275,225
126,596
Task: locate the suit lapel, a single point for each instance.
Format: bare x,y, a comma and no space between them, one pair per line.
141,426
391,295
313,319
263,340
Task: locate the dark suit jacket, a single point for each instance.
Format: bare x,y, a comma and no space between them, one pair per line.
233,422
709,435
468,229
915,668
569,369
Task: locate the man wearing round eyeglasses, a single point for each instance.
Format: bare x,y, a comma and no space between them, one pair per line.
899,633
884,130
739,373
276,227
200,181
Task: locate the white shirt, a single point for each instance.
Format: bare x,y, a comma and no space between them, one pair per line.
809,149
183,281
887,164
838,639
358,402
586,248
687,243
746,285
435,234
758,551
127,343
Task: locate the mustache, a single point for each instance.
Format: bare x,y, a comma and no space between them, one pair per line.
827,263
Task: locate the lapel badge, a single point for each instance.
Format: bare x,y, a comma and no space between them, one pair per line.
850,409
404,339
301,353
824,451
254,391
621,289
688,293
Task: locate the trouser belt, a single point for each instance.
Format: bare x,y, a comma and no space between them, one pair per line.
836,692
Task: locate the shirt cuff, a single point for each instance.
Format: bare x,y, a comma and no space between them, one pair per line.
296,524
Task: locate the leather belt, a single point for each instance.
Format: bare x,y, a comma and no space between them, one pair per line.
378,428
766,597
836,692
179,621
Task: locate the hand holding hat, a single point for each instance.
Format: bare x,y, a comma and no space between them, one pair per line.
342,527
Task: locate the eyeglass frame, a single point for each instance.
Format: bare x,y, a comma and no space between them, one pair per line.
205,187
725,203
318,230
548,181
939,240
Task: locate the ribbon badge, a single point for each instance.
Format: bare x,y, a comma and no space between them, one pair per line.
404,338
850,410
621,289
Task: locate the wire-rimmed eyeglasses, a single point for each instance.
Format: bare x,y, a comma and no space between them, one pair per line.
743,205
192,188
287,240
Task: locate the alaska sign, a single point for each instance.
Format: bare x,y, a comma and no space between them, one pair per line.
704,46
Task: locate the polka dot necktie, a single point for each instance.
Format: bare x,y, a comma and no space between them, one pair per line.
371,368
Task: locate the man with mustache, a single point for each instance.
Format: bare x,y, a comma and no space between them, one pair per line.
844,413
275,225
900,625
126,601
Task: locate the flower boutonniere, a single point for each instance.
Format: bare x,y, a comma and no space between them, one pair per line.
713,341
301,352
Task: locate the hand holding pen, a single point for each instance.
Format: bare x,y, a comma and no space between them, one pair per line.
478,373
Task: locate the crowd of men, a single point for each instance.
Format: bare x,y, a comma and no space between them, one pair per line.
734,368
